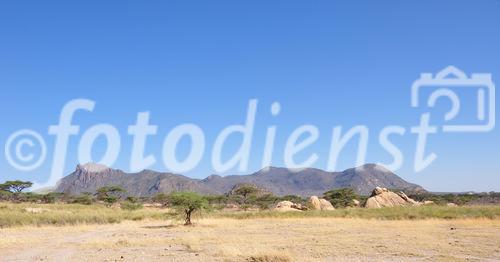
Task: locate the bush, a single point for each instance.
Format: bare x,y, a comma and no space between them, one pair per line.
5,195
52,197
84,199
28,197
342,198
266,201
161,198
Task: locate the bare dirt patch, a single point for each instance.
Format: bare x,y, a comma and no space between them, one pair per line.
294,239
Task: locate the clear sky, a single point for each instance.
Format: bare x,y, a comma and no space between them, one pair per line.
328,63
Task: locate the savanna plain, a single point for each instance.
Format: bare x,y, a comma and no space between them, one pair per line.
96,233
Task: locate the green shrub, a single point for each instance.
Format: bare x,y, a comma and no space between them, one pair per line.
84,199
266,201
341,198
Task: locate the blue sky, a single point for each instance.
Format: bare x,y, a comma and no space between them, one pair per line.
328,63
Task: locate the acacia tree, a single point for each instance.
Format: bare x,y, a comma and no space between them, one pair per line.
187,203
246,191
11,190
16,186
110,194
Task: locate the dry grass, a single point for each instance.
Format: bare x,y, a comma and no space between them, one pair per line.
264,239
395,213
73,214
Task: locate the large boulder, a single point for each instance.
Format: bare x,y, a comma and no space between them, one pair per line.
381,197
326,205
320,204
315,203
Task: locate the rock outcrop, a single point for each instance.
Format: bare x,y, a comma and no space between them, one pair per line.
320,204
407,199
314,203
381,197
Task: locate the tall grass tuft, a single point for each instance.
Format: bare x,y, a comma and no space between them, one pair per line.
70,214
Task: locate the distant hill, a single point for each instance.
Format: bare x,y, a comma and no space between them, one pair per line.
280,181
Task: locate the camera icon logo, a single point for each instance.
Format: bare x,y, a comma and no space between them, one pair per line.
445,84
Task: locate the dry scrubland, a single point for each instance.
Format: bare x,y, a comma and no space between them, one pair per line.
74,214
98,233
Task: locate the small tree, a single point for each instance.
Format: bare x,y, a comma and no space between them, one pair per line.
187,203
16,186
246,191
343,197
110,194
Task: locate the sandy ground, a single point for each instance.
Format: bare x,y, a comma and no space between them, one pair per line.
307,239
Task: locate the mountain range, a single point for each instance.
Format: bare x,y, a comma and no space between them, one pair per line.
280,181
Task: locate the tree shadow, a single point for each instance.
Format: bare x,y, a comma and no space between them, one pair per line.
160,227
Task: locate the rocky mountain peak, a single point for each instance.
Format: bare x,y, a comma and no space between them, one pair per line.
93,168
